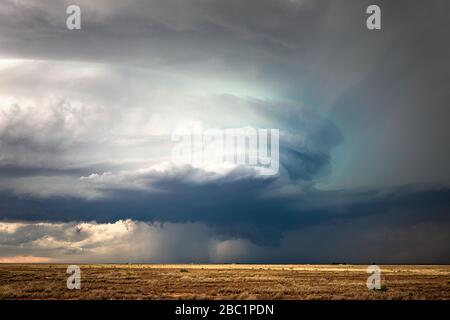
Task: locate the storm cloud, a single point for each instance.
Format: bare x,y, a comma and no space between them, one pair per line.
87,116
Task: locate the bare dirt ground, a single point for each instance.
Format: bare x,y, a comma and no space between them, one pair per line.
226,281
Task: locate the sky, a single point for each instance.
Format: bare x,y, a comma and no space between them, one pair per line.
87,119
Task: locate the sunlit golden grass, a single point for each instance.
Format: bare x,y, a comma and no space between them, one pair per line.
222,281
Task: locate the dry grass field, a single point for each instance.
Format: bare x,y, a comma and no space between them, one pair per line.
116,281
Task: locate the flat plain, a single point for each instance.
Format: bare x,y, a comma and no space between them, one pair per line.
223,281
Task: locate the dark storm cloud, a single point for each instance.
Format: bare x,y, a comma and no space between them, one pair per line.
380,97
402,225
396,112
243,208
